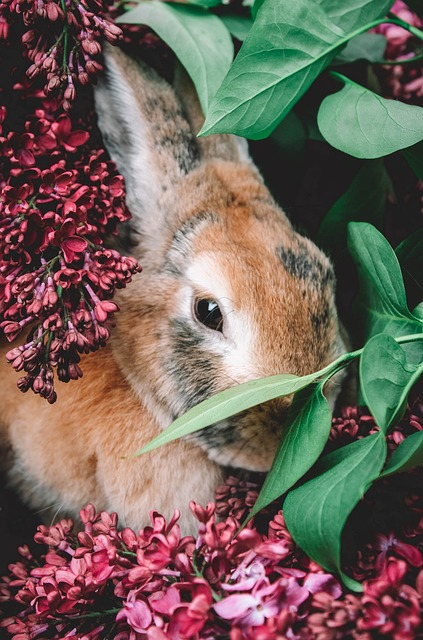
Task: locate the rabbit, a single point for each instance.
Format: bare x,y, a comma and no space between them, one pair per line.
229,292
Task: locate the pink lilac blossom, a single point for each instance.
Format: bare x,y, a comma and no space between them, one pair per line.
60,40
402,81
256,584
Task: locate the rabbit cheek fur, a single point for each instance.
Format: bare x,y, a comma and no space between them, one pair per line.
204,227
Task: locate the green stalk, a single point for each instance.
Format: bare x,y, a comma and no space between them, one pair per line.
65,37
400,60
346,358
393,19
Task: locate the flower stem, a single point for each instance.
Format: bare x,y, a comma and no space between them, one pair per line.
95,614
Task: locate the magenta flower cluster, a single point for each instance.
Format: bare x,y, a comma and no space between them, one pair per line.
402,81
61,198
61,40
255,584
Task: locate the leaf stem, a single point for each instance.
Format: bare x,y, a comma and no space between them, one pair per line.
400,60
346,358
393,19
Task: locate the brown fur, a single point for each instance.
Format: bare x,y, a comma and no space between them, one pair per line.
194,207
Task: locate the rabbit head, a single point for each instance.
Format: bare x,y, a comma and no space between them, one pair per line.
229,291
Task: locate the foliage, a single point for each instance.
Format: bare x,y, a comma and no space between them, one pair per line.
288,48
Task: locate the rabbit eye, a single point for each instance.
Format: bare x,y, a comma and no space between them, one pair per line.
208,313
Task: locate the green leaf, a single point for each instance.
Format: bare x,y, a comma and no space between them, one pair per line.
353,14
288,46
290,134
366,46
410,255
303,440
382,302
364,200
418,311
386,379
359,122
414,157
238,26
207,4
408,455
316,512
199,39
228,403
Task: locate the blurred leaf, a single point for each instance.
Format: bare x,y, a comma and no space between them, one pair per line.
228,403
366,46
288,46
303,439
363,201
290,134
418,311
410,255
238,26
207,4
199,39
381,302
386,378
365,125
408,455
353,14
316,512
414,157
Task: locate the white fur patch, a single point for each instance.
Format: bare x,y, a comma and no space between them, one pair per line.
237,342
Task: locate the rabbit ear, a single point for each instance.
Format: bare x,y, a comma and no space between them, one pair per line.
222,146
145,132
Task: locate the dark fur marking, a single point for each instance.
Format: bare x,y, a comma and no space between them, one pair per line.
193,380
320,319
189,227
176,135
300,264
218,435
182,237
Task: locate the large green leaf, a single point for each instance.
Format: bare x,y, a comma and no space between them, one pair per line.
366,46
228,403
408,455
288,46
363,124
386,378
303,440
364,200
414,157
200,40
317,511
382,302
